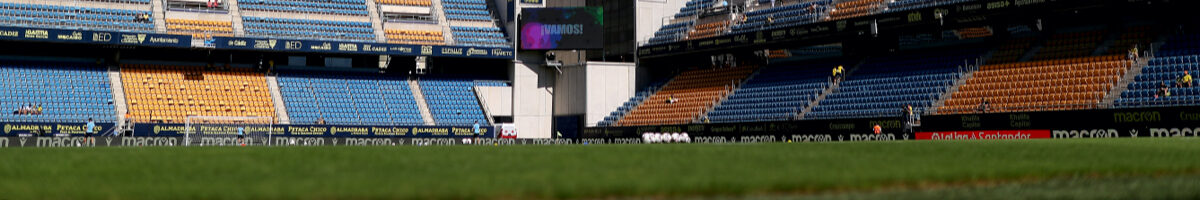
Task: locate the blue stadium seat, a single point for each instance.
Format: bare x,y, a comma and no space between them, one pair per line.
452,101
881,87
308,29
67,92
1180,54
348,99
776,93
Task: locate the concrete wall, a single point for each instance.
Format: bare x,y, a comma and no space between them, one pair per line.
608,85
533,92
499,100
651,14
570,90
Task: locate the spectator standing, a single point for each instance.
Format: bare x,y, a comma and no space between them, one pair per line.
89,131
241,135
39,109
475,136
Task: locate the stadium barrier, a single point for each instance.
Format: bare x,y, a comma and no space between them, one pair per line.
108,141
20,129
1105,123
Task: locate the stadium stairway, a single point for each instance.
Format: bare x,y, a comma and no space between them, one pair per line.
1122,85
280,108
832,87
234,10
419,96
159,14
447,35
966,75
487,113
114,76
376,22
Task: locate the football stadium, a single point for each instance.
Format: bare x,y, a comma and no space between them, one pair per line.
599,99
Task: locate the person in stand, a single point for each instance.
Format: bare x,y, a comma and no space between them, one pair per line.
1133,53
983,105
39,109
672,99
321,120
89,131
1185,80
1163,91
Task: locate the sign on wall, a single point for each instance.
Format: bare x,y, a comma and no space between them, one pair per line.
562,28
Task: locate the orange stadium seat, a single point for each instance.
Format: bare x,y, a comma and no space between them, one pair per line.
419,37
199,28
1073,83
163,93
696,92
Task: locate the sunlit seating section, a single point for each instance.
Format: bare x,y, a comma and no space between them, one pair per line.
415,37
167,93
331,7
69,17
67,92
308,29
199,28
406,2
348,99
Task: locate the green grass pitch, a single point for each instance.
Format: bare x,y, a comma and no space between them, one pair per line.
850,170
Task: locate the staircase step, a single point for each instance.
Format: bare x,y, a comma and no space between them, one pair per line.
419,96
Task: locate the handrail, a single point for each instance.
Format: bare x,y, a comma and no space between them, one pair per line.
483,103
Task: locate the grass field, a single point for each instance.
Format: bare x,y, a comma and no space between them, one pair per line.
1111,168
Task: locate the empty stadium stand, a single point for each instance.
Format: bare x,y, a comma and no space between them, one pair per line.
479,36
882,87
406,2
1180,54
348,99
67,92
708,29
473,23
67,17
696,90
199,28
804,12
166,93
1070,45
634,101
1064,84
854,8
671,32
415,37
452,101
1011,50
332,7
778,92
310,29
904,5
